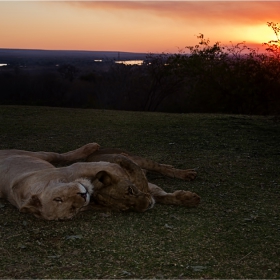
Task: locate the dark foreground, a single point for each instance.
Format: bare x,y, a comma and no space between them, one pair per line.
233,234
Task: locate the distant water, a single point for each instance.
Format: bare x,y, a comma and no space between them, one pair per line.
130,62
125,62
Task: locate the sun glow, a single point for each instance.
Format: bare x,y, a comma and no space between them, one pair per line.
258,34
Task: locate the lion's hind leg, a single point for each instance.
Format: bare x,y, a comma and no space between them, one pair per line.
170,171
66,158
164,169
179,197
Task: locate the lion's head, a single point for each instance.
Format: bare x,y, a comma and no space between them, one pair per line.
60,200
120,194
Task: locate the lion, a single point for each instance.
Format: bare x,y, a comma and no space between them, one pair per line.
31,182
133,167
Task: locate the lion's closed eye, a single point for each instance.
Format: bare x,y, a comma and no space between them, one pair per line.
131,191
58,199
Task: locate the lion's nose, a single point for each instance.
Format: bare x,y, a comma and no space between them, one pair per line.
83,195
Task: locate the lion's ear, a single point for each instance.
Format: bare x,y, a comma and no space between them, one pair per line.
33,205
104,178
131,167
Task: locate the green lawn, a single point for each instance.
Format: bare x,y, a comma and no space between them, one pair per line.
234,233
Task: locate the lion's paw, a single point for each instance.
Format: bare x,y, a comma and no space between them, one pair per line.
90,148
187,175
186,198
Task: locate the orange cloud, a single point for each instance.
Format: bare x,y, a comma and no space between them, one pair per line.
216,12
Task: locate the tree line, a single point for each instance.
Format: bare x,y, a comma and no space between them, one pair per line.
205,78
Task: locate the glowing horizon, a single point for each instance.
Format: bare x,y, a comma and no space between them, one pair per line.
133,26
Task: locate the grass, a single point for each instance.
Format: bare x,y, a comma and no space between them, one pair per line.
233,234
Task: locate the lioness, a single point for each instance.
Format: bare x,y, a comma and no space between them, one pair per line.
133,167
31,182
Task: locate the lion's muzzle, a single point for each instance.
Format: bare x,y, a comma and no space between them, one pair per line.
84,193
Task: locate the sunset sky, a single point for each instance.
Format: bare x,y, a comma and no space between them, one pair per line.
134,26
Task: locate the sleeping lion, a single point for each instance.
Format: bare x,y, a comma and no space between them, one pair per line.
134,167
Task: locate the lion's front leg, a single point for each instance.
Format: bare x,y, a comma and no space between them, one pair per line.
179,197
